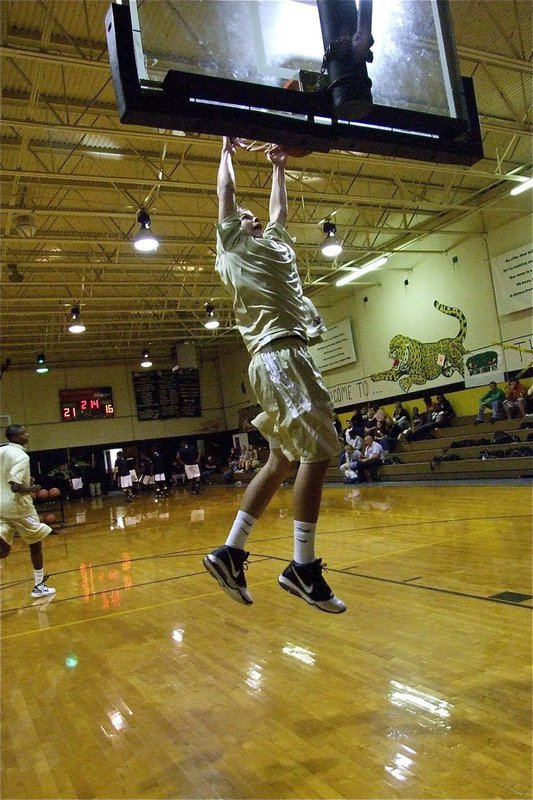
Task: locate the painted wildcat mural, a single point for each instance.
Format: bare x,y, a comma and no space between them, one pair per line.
419,362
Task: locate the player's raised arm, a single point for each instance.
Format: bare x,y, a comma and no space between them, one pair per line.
226,180
278,194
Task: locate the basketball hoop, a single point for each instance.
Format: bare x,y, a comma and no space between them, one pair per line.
252,145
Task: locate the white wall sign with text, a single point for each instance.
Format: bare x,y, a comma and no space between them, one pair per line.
512,273
336,348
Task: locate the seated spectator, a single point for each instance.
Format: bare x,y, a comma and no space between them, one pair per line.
442,413
363,411
177,471
370,426
354,433
337,424
515,399
250,458
232,465
493,399
368,463
348,464
440,416
529,401
383,435
428,408
416,421
209,469
401,419
379,413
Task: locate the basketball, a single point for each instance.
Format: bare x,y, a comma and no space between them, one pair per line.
55,492
42,494
49,518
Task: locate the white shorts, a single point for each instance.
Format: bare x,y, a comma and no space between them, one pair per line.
76,483
29,528
297,414
133,476
125,481
192,470
148,480
160,477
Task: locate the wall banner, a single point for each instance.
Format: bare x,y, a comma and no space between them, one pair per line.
512,273
484,365
336,348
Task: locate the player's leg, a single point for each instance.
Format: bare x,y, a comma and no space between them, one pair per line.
303,577
227,563
40,588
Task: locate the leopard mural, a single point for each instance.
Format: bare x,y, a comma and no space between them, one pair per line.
419,362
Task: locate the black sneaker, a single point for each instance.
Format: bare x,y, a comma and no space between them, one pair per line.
227,565
306,581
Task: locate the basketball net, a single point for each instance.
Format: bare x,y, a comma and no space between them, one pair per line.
252,145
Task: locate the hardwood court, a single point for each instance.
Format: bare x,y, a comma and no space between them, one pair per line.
142,679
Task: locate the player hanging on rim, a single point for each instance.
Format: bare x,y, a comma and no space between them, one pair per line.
259,269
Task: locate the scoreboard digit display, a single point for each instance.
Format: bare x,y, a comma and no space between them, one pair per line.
79,404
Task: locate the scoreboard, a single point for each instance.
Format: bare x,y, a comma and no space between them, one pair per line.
79,404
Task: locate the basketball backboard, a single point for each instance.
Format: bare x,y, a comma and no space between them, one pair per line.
256,69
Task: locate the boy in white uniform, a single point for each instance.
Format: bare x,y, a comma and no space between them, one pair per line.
259,269
17,512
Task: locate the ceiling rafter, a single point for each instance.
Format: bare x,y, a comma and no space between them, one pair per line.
76,177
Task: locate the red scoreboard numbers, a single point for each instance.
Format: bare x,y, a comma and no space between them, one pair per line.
79,404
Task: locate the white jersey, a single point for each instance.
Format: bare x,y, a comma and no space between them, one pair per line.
262,276
14,466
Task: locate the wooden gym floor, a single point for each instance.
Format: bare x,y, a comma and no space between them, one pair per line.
142,679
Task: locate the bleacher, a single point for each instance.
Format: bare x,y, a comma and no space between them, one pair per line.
421,461
418,458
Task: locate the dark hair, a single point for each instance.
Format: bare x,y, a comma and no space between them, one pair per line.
12,431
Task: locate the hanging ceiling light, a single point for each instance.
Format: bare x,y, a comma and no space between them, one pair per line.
41,364
356,273
211,322
76,326
526,183
145,240
331,247
25,225
13,274
145,359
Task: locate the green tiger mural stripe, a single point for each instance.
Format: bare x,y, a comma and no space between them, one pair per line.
420,362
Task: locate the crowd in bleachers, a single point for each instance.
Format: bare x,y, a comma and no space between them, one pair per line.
372,434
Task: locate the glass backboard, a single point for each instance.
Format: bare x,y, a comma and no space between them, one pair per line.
259,65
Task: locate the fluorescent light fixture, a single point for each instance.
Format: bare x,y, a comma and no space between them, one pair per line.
145,240
358,271
41,364
331,247
523,186
211,322
145,359
76,326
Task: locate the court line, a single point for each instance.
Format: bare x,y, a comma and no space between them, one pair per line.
341,571
113,614
454,592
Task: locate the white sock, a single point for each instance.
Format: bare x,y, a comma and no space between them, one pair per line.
304,542
242,526
39,576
